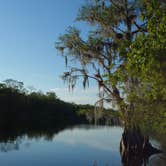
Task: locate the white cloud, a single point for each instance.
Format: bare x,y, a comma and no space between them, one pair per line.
78,96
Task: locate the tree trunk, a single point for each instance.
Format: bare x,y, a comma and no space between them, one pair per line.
135,149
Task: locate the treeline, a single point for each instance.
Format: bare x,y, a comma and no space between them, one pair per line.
20,108
96,116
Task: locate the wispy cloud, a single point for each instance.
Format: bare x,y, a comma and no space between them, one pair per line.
79,96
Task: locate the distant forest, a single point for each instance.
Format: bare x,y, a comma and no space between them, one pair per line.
23,109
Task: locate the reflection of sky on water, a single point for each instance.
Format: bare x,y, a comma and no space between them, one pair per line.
80,146
102,138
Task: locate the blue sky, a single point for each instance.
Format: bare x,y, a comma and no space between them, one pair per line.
28,31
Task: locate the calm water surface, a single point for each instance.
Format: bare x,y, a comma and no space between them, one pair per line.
78,146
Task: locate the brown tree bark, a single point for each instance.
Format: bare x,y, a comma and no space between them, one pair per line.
135,148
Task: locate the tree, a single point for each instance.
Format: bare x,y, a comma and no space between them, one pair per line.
51,95
103,56
107,56
14,84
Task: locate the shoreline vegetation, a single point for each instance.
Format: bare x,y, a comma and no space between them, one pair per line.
21,108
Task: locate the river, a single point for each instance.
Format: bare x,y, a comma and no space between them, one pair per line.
83,145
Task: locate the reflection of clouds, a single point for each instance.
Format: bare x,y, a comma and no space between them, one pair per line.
107,138
27,144
9,146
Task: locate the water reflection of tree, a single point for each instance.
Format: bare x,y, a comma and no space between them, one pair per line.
9,146
11,139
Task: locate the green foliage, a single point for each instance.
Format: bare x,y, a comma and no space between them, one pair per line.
147,64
